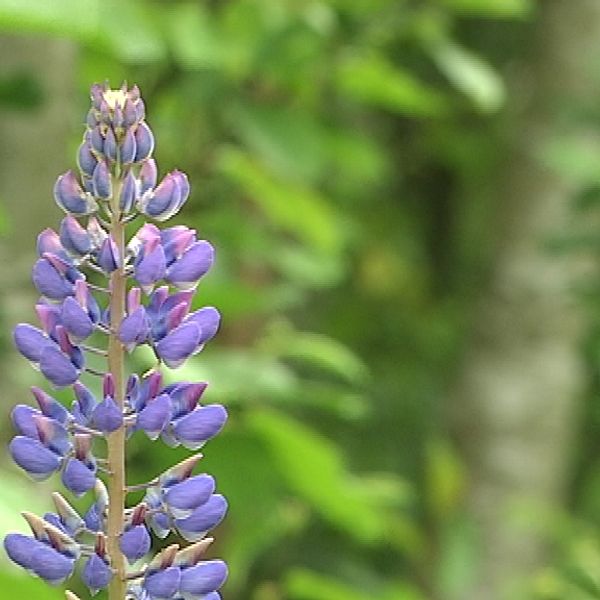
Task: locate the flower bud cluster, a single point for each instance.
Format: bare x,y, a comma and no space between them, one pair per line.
117,182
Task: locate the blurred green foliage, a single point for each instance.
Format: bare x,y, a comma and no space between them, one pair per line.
336,151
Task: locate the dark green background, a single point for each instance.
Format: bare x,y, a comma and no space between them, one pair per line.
346,159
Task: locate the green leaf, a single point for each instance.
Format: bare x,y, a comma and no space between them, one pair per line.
71,18
315,349
375,81
471,75
302,584
313,468
289,142
192,36
18,584
245,472
293,207
491,8
16,496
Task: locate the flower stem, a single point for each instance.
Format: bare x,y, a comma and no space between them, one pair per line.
116,440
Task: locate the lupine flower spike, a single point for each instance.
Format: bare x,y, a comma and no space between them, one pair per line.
150,280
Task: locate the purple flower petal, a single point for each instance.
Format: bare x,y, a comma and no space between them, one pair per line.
203,519
84,405
110,144
165,200
86,161
155,416
128,147
149,268
53,435
51,565
128,193
185,396
20,549
78,477
22,419
97,140
203,423
32,456
209,320
204,578
96,574
163,584
49,282
70,197
30,341
179,344
144,140
135,543
134,328
183,497
193,264
57,367
76,320
107,416
101,181
74,237
148,175
108,256
49,406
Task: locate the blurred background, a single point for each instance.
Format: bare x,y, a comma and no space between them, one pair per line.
405,200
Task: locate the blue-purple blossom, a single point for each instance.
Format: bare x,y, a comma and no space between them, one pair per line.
158,271
96,573
33,457
135,542
204,578
204,518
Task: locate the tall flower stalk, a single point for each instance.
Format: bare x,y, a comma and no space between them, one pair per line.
145,299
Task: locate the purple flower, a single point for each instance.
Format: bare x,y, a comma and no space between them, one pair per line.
115,156
57,367
128,193
209,319
204,518
51,565
101,181
108,256
70,196
22,420
182,498
193,264
78,477
204,578
73,237
96,574
20,549
144,140
32,456
84,404
107,416
200,425
30,341
135,328
179,344
155,416
168,197
163,584
86,161
49,406
135,542
79,473
49,281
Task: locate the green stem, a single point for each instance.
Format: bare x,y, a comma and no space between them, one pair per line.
116,440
